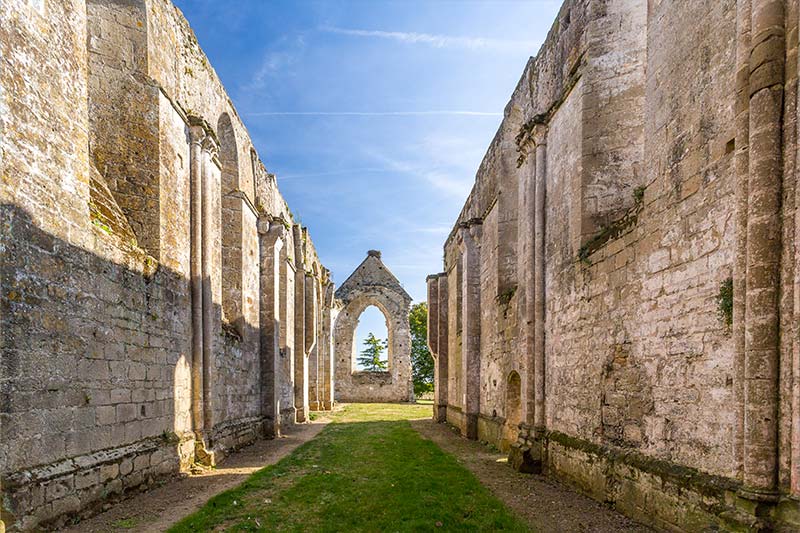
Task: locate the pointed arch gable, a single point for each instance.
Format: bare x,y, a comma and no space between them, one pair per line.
372,284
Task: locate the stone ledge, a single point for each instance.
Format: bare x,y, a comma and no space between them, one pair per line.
654,491
706,484
65,467
231,435
55,494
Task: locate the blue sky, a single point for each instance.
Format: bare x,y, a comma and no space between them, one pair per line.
374,115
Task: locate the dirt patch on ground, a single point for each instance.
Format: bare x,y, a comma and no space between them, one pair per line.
545,504
158,509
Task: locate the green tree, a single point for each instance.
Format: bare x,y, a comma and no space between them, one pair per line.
370,357
421,358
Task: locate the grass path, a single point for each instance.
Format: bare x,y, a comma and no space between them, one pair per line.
368,470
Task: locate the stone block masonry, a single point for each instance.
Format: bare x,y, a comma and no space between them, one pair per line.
152,314
372,284
640,342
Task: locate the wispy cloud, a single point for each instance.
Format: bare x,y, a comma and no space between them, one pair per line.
373,113
275,63
343,172
445,180
438,41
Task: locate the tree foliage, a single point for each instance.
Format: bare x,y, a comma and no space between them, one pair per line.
421,358
370,358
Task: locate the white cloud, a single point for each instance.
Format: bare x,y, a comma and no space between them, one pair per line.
453,184
439,41
374,113
342,172
458,186
276,63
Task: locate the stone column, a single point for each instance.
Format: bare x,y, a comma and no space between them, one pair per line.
442,376
540,138
300,367
326,346
271,237
526,454
197,135
526,197
287,341
312,332
742,170
470,233
210,164
763,250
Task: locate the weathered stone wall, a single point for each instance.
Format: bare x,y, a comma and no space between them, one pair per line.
372,284
137,243
632,128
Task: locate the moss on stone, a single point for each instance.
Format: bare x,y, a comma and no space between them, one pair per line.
504,298
103,227
725,301
682,476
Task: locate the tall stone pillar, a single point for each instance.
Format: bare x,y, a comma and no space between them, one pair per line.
470,233
271,242
211,169
204,171
312,340
197,135
300,354
540,139
444,347
287,340
326,340
437,342
761,364
742,170
442,365
526,454
526,198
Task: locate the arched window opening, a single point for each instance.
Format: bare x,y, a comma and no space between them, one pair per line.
371,342
231,224
513,409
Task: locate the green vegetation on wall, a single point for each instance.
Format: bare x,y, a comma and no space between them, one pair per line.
725,302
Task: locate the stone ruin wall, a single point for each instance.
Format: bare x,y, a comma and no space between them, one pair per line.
372,283
109,111
612,353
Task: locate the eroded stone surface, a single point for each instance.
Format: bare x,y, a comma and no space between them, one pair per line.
373,284
148,262
624,191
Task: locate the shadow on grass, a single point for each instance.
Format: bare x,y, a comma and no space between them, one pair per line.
359,474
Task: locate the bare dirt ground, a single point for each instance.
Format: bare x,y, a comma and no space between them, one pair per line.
546,505
158,509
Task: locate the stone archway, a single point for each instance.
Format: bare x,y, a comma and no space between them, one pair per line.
373,284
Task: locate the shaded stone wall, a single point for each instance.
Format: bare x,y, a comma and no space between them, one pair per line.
145,256
647,187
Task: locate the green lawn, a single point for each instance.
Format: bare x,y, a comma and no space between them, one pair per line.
367,471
